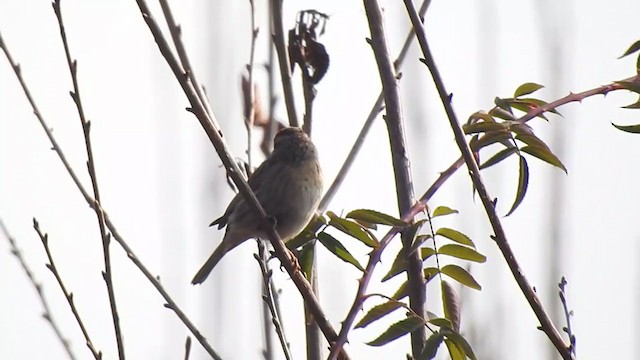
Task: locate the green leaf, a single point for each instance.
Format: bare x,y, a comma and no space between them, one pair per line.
441,322
630,85
443,210
430,273
460,341
462,252
634,129
455,352
633,48
545,155
450,304
401,293
426,252
308,234
397,330
489,139
635,105
399,265
499,156
306,259
353,229
419,241
481,127
523,183
460,275
526,89
503,104
502,114
376,217
431,346
478,115
456,236
378,312
334,246
531,140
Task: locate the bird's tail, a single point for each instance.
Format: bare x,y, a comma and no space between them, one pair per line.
212,261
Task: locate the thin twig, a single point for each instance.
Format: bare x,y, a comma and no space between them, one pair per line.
374,257
562,285
376,109
401,165
187,70
187,348
251,113
92,203
500,236
68,296
86,128
46,313
207,121
269,299
283,61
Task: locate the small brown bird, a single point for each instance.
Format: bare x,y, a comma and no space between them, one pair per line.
288,185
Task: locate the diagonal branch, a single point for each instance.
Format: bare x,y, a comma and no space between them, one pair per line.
500,236
373,115
46,314
92,203
208,123
68,296
86,128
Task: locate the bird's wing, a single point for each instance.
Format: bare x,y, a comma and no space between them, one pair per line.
255,182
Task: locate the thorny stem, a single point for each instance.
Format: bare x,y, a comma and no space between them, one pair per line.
67,295
46,314
500,236
374,257
401,166
86,128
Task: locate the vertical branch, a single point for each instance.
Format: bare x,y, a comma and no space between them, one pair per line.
46,313
250,111
401,167
86,127
269,301
283,61
500,236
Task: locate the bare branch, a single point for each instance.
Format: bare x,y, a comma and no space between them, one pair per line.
269,299
86,128
283,61
47,314
401,166
92,203
67,295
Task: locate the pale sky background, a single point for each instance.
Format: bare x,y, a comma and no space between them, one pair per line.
162,183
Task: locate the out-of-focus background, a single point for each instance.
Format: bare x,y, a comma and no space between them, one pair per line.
162,183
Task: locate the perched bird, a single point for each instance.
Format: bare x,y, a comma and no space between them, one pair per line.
288,185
